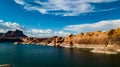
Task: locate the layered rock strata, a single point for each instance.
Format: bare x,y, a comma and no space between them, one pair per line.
101,42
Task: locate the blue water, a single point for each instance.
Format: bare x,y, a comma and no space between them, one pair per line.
44,56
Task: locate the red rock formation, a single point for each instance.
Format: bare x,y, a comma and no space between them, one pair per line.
53,41
88,38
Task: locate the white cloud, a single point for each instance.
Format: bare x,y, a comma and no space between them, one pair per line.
7,26
61,7
61,33
1,21
21,2
45,33
41,10
97,1
102,25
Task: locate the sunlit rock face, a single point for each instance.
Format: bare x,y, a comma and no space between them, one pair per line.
95,38
100,42
114,36
53,41
111,37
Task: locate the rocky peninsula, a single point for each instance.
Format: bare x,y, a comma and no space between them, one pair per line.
99,42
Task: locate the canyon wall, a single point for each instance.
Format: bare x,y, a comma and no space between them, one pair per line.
101,42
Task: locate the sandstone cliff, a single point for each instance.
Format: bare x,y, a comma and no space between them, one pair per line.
88,38
97,39
53,41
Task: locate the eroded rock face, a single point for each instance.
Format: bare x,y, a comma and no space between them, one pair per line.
88,38
56,41
53,41
30,40
69,39
111,37
114,36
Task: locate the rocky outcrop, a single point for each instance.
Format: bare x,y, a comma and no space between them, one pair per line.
12,36
100,42
30,40
88,38
6,65
114,36
53,41
16,33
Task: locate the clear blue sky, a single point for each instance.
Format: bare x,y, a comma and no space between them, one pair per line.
65,16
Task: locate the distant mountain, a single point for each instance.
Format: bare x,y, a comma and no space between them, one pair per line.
16,33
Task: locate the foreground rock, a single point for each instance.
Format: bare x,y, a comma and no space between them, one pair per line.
6,65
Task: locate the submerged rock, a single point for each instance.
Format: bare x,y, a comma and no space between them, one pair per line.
6,65
105,51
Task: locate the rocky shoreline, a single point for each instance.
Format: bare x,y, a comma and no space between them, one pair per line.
100,42
94,48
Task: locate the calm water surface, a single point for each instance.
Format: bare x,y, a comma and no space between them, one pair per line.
44,56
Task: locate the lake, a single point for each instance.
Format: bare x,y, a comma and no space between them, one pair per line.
45,56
